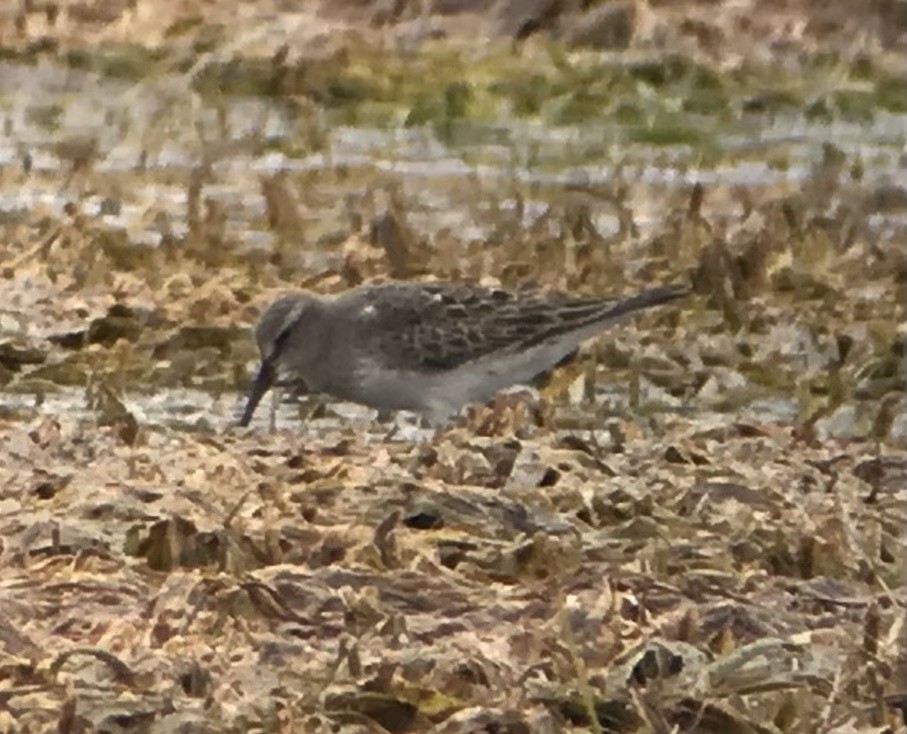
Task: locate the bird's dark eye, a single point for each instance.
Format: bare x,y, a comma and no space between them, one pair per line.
281,338
277,346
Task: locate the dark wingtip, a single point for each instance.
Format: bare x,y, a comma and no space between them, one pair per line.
666,293
263,382
651,297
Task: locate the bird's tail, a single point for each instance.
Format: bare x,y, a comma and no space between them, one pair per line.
646,299
592,316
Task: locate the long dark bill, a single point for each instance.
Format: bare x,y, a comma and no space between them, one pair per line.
264,380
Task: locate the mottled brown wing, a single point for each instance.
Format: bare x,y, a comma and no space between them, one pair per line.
444,326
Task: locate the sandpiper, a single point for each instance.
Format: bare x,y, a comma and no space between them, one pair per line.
430,348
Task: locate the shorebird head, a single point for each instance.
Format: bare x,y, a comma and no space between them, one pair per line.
275,327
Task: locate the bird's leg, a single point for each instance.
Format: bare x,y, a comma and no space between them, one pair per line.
383,418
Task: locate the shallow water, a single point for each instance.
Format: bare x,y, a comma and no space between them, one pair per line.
153,130
150,137
199,411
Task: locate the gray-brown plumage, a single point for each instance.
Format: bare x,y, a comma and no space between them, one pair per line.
427,347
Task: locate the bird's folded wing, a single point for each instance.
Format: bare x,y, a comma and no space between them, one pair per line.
444,326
